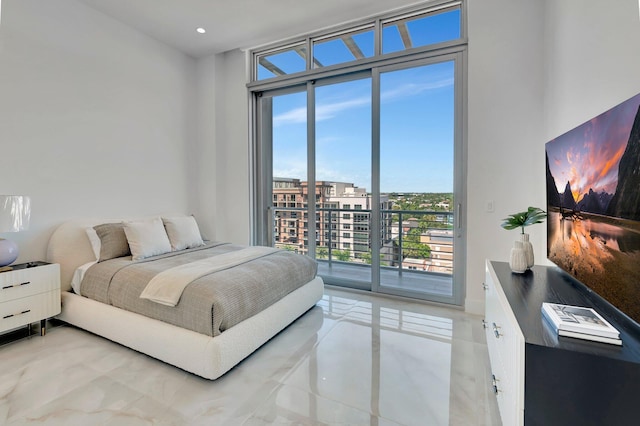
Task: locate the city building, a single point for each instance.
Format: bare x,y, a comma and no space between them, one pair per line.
343,217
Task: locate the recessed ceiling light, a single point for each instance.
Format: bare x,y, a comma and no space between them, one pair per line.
201,30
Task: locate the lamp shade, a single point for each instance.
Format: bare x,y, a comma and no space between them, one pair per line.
15,212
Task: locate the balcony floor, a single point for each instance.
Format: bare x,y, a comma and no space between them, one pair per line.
439,285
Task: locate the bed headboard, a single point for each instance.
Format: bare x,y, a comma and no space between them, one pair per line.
70,247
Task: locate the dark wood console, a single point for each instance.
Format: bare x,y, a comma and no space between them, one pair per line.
543,379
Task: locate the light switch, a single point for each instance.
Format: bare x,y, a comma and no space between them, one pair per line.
489,206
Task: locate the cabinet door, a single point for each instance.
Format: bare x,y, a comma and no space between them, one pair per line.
506,352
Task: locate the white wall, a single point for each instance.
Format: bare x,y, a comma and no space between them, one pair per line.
505,131
203,194
592,60
96,119
233,153
224,147
536,70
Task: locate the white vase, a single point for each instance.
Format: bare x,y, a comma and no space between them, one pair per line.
528,249
518,258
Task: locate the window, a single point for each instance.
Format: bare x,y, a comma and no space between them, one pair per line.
284,61
377,120
343,47
414,31
399,32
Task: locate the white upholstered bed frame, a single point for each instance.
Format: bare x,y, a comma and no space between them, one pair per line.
206,356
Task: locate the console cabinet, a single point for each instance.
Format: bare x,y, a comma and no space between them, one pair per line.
542,379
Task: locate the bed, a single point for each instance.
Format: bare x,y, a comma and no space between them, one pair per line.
206,354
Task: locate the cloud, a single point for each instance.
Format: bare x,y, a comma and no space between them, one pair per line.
323,111
296,115
326,111
413,89
330,110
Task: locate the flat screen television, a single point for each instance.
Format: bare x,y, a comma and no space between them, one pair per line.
593,205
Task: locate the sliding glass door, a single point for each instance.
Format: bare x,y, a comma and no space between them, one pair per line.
343,171
417,172
362,172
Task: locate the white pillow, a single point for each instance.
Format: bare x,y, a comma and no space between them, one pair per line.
96,245
183,232
147,238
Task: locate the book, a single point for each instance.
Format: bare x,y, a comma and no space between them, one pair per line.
578,319
552,336
590,337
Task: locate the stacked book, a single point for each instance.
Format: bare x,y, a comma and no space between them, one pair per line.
580,323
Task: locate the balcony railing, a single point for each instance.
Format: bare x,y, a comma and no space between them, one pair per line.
416,240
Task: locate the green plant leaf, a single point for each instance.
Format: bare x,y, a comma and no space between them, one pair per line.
532,216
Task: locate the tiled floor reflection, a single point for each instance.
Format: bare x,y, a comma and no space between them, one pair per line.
355,359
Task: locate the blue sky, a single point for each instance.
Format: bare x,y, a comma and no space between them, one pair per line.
417,126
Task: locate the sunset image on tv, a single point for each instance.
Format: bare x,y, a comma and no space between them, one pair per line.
593,204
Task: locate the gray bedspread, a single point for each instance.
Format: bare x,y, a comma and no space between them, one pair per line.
210,304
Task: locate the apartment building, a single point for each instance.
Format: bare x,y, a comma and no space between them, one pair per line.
343,217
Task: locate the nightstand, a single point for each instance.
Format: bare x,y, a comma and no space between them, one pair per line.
30,292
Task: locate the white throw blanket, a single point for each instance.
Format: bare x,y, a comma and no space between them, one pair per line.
166,288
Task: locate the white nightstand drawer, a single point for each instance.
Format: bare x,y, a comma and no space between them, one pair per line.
25,282
26,310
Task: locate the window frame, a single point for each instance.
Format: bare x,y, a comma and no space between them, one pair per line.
372,66
308,41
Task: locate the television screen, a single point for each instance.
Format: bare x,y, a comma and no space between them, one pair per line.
593,204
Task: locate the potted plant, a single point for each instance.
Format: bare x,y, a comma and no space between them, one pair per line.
522,253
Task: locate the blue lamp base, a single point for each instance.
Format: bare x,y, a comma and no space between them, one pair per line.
8,252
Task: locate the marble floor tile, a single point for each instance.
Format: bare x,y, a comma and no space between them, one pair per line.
355,358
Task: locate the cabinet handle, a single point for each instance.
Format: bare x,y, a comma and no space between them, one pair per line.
495,330
485,286
484,324
494,384
15,315
16,285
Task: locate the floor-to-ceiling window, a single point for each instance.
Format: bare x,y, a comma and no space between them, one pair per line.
358,152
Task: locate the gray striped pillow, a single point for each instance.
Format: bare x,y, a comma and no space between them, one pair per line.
113,241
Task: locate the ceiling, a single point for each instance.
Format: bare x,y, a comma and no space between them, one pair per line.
232,24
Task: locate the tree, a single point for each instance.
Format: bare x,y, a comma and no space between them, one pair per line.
412,247
368,257
322,253
343,255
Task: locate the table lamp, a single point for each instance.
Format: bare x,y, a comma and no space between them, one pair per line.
15,211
